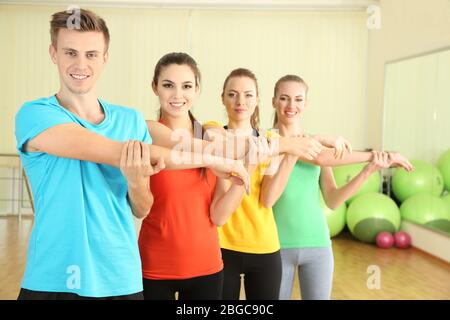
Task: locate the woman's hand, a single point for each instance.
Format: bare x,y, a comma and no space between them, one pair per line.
233,170
340,145
135,163
304,147
136,166
380,160
397,160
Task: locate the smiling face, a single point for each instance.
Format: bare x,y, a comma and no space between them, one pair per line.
80,57
240,98
176,89
289,101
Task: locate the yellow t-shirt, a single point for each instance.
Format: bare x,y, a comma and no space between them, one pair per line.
251,228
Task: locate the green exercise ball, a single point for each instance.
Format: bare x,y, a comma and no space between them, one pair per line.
444,167
343,174
426,178
428,210
335,218
371,213
446,199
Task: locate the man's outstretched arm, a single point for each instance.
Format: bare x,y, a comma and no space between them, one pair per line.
73,141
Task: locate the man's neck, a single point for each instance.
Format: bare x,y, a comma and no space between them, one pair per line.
85,106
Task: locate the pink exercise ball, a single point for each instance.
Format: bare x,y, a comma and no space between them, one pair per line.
402,240
384,240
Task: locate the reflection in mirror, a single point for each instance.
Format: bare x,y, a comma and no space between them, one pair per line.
417,124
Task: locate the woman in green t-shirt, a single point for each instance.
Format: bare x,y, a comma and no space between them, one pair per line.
302,227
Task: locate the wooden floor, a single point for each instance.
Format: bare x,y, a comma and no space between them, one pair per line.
404,274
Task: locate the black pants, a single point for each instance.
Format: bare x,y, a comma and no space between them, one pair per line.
199,288
26,294
262,275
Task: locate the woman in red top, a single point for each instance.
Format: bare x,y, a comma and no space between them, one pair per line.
178,240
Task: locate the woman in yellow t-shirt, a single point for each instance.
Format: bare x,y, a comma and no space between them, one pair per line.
249,239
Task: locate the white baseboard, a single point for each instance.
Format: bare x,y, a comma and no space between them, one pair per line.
433,242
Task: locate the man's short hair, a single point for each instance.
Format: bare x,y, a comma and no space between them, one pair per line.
78,19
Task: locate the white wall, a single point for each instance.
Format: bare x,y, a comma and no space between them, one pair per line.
328,49
408,28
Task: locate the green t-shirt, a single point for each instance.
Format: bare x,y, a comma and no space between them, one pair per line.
299,217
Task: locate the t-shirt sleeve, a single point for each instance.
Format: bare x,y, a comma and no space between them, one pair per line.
147,137
35,117
267,166
211,124
272,133
142,124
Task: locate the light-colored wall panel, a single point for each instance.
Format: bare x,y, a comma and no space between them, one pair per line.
139,38
30,73
328,49
407,28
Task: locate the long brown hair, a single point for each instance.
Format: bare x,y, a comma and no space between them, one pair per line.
286,78
181,58
242,72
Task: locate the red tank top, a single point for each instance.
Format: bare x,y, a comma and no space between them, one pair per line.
177,239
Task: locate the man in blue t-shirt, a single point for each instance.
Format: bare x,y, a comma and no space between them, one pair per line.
88,162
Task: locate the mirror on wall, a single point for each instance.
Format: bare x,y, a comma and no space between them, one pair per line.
416,123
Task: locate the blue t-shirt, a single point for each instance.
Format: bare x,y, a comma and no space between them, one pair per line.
83,239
